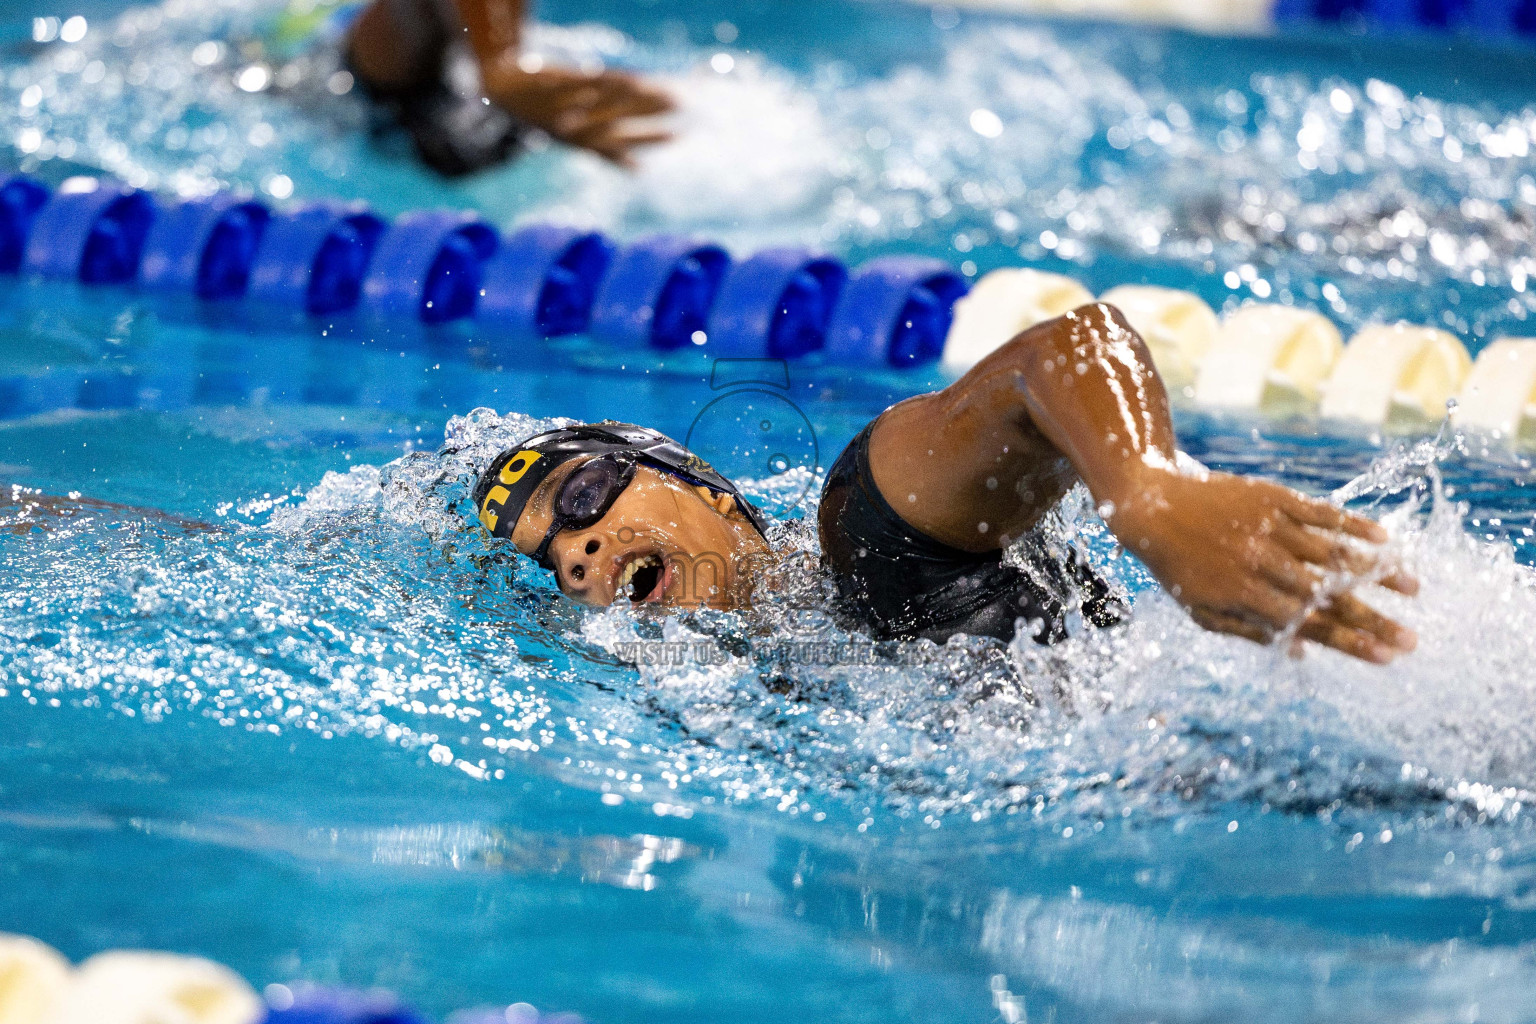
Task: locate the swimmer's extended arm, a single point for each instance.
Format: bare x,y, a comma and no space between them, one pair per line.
1077,398
398,44
23,511
494,27
591,110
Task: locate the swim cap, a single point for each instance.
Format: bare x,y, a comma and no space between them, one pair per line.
505,487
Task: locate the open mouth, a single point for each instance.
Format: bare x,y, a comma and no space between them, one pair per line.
641,578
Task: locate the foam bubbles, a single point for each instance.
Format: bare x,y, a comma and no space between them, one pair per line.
374,605
749,143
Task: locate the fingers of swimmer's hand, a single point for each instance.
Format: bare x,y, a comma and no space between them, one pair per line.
1327,549
1401,581
622,150
584,97
1324,629
596,140
619,94
616,149
616,154
653,101
1358,631
1221,622
1287,573
1356,614
570,125
1262,602
647,138
612,140
1321,514
620,85
578,125
563,90
598,136
628,143
1332,552
611,112
556,95
634,102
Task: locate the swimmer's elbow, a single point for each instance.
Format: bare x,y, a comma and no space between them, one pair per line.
1046,363
1085,334
1084,325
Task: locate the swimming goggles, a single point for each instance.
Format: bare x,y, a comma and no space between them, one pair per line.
586,496
510,481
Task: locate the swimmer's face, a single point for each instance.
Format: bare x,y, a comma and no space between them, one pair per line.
664,541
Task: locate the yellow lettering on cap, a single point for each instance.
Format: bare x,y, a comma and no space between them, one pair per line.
521,461
510,474
497,497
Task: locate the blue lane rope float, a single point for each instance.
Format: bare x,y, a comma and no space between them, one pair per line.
341,1006
96,237
1417,13
314,258
428,265
776,304
1502,17
543,279
204,246
1482,17
20,199
895,311
659,293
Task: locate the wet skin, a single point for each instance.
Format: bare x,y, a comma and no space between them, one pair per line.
1077,398
397,45
664,541
978,463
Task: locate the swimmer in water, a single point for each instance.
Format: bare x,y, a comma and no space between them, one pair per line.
916,513
454,76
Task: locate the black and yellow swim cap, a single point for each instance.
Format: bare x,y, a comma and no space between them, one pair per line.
505,487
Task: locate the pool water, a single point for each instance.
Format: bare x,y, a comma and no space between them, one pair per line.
308,723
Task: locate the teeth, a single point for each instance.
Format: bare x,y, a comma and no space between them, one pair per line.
634,566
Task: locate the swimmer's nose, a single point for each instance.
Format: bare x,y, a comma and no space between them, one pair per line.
579,556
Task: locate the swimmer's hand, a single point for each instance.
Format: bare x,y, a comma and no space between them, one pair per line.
1078,398
1252,558
395,46
591,111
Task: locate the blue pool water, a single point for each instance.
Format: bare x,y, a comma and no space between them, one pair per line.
337,738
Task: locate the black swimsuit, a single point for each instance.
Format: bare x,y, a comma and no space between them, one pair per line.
903,584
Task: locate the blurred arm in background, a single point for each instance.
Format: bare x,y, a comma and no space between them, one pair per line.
398,46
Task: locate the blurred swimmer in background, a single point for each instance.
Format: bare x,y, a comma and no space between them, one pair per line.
452,74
